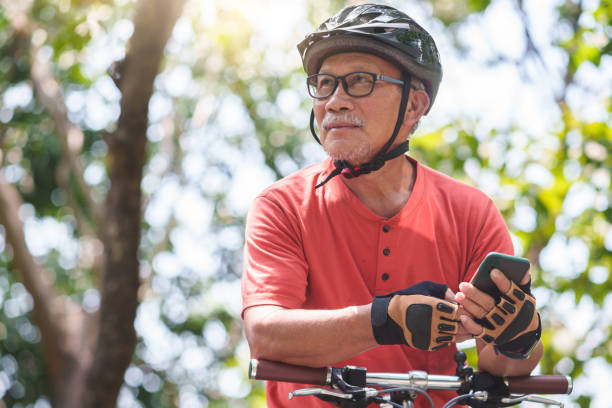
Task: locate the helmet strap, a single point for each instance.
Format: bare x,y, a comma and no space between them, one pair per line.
348,171
312,128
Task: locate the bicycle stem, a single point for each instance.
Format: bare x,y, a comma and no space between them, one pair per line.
416,379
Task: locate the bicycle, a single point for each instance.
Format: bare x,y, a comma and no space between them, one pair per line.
354,387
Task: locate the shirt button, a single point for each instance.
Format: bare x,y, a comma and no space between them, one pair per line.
385,276
386,252
385,228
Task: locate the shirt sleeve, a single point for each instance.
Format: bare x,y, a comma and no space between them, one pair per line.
491,236
275,270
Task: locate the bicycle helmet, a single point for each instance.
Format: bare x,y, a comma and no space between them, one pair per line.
380,30
387,33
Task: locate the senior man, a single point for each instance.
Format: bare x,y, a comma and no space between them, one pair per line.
365,258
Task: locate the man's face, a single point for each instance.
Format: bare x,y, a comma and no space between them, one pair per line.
355,129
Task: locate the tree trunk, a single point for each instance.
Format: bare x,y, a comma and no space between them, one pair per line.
116,340
87,355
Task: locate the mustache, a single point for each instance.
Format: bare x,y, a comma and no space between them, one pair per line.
342,117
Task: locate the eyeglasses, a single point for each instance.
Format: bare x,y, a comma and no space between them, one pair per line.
356,84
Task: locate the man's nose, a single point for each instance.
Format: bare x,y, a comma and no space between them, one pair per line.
339,100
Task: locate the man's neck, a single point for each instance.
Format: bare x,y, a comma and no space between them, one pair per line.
385,191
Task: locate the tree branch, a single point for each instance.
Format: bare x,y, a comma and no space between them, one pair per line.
48,91
531,46
568,76
35,278
136,78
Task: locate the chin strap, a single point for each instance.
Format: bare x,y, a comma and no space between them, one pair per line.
348,171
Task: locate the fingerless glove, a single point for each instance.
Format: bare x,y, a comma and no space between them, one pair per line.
417,316
513,325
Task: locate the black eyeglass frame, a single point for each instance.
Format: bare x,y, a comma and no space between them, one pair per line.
345,86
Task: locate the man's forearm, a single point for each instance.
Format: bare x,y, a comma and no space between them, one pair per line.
500,365
308,337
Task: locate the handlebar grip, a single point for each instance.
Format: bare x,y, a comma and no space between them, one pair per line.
276,371
540,384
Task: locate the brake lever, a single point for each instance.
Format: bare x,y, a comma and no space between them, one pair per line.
531,398
318,391
367,392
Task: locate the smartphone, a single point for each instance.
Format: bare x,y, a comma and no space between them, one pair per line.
512,266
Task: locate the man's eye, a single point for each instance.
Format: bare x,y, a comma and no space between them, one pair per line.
363,78
325,83
359,79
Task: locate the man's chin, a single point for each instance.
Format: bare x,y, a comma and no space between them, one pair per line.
353,157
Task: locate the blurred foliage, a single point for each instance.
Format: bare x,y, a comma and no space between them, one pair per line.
575,156
243,105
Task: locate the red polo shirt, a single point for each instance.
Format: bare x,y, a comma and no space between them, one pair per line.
324,249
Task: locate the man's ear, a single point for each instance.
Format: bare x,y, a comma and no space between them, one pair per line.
417,106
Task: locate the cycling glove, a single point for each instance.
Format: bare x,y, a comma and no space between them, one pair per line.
513,325
417,316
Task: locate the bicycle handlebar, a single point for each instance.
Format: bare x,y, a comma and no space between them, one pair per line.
540,384
276,371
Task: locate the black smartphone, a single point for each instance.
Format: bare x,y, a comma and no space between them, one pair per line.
513,267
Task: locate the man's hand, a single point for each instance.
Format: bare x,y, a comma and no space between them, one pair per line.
512,324
417,316
463,334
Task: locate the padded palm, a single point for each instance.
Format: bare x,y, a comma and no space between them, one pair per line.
427,322
417,316
514,315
